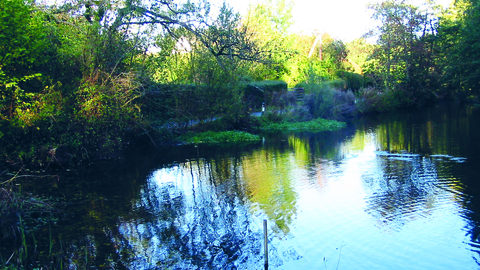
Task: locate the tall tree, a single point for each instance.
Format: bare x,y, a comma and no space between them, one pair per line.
22,42
460,49
404,50
335,52
268,22
359,50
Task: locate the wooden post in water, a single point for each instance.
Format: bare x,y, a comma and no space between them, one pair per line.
265,242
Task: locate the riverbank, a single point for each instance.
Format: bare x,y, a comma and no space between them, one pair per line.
69,142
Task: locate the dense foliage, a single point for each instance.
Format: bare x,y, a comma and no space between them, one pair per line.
458,49
87,78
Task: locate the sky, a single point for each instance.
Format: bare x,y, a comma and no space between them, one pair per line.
342,19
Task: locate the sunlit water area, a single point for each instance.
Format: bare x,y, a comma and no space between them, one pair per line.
396,191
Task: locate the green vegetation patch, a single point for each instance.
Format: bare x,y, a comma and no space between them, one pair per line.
314,125
212,137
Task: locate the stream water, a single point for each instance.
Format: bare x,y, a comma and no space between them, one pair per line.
396,191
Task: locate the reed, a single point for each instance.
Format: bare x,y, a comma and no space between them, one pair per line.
339,255
24,249
21,216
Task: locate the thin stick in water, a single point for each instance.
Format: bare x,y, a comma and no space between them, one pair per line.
265,243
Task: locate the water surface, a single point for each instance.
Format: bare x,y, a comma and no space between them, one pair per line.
395,191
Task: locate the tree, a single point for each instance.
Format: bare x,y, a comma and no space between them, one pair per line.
359,50
213,57
335,52
268,23
405,47
22,42
459,51
229,41
399,25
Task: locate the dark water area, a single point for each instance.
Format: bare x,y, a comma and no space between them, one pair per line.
395,191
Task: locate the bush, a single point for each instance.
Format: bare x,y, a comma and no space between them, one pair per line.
345,107
326,102
299,114
354,81
372,100
321,103
339,84
273,117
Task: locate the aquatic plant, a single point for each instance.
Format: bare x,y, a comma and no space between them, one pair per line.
22,217
318,124
211,137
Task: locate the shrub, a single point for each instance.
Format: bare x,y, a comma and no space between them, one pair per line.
107,109
338,84
354,81
321,103
372,100
273,117
299,114
345,107
326,102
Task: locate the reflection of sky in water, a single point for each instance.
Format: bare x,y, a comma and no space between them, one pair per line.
384,211
192,223
368,209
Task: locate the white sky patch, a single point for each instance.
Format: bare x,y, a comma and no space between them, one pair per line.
343,19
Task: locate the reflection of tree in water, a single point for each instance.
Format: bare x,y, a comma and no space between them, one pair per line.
468,192
195,214
268,182
409,188
269,173
444,129
402,190
195,220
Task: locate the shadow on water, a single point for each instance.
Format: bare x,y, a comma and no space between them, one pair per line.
202,207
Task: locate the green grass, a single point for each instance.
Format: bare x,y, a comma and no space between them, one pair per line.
213,137
314,125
